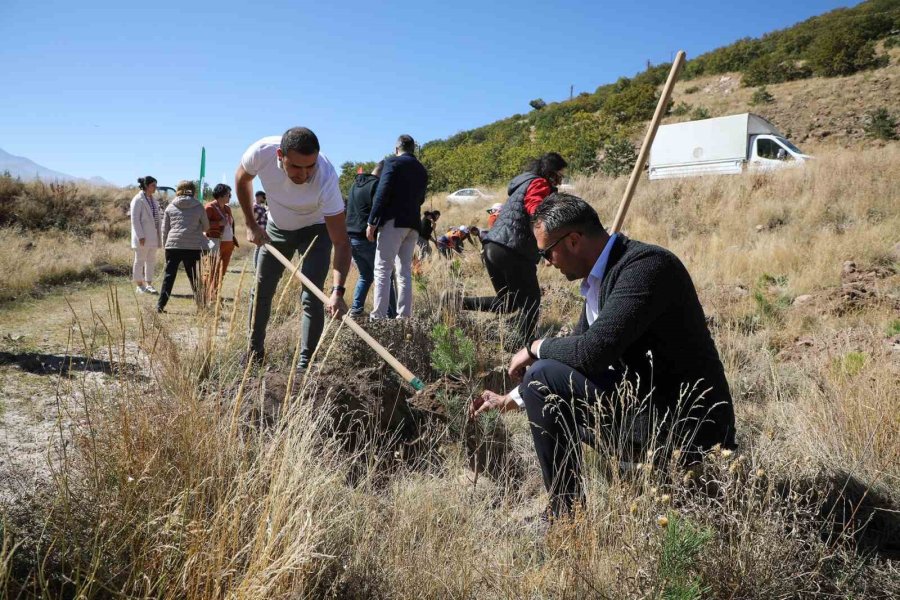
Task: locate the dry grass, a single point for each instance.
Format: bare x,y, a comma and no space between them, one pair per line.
170,486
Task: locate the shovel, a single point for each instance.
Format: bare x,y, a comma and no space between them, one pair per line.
404,373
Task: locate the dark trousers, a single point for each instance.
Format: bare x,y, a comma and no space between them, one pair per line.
515,280
364,257
561,404
174,258
268,273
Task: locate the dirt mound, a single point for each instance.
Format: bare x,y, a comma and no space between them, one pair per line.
375,412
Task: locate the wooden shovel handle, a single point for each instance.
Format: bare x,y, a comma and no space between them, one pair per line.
404,373
648,141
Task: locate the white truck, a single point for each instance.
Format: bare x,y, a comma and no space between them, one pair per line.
721,146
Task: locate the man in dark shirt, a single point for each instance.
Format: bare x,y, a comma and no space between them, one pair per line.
396,217
359,205
641,355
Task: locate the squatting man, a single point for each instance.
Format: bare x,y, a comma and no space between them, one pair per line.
641,328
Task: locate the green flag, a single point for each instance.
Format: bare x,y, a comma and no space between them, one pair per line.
202,170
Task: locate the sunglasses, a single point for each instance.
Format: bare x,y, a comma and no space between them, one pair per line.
545,253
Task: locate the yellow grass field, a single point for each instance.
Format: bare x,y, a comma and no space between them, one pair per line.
162,474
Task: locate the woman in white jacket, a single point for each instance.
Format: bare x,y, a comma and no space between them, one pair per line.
146,237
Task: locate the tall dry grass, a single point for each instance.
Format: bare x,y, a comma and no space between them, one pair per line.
171,486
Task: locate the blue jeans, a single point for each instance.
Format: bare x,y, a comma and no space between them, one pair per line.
363,252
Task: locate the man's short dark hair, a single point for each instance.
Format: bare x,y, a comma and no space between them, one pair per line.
565,212
300,140
260,194
406,143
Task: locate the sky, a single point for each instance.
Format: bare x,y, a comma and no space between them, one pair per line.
125,89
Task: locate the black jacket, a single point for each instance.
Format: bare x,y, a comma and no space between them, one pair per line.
400,193
651,324
513,226
427,229
359,202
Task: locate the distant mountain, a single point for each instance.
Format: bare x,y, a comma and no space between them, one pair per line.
28,170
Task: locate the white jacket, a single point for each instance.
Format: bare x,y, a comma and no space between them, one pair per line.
143,224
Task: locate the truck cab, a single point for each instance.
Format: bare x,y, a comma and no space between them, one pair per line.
769,152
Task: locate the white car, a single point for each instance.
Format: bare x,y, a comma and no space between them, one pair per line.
467,195
566,186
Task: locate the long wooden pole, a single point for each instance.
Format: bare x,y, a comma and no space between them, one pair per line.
648,141
405,373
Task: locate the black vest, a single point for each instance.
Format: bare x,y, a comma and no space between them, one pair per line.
513,225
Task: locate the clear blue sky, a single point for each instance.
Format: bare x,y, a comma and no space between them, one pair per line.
122,89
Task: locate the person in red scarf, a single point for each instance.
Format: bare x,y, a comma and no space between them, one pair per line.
222,240
510,252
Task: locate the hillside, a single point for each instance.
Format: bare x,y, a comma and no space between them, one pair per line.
829,111
826,74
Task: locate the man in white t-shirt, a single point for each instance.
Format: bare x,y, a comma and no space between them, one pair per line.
306,215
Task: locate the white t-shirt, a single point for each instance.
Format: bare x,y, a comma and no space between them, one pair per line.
292,205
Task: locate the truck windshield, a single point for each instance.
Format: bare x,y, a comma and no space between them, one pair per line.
790,146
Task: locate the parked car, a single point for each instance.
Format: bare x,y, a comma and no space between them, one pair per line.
164,195
467,195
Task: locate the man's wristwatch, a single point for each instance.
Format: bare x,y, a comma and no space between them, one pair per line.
339,289
528,350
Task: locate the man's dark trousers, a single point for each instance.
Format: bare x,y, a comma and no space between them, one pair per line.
561,403
515,280
315,243
363,252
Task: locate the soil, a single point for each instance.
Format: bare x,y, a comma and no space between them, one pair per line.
372,409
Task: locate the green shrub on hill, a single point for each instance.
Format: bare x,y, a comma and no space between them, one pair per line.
681,109
842,52
36,205
881,125
773,69
761,96
635,103
700,113
777,56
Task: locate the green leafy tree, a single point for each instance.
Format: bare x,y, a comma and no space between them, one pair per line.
537,104
841,52
773,69
634,103
619,156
